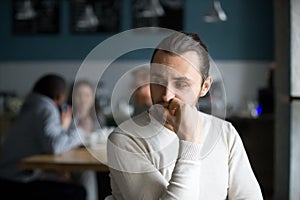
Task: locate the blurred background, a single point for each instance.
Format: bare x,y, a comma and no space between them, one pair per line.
249,41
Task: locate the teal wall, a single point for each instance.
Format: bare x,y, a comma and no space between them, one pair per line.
247,35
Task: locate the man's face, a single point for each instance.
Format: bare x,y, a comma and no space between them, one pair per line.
175,76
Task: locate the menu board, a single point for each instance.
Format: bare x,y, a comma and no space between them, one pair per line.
95,16
35,16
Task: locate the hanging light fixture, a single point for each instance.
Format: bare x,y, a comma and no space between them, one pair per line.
216,14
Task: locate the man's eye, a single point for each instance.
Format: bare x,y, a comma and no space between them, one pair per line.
181,84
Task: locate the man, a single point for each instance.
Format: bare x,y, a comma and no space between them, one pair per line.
174,151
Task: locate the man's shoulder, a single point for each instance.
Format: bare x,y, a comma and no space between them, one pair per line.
39,101
216,121
129,127
142,129
215,128
136,124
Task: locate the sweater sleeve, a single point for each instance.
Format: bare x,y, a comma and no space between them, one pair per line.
242,181
133,176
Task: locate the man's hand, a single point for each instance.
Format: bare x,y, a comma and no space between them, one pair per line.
184,120
66,118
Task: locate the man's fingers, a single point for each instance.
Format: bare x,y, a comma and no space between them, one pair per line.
174,106
170,118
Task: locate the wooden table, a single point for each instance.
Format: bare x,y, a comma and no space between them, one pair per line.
74,160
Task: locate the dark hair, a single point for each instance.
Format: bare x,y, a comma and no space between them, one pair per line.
51,85
182,42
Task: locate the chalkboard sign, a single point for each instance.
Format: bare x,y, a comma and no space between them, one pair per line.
35,16
95,16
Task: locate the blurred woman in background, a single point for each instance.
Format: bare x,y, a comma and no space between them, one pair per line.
85,108
89,118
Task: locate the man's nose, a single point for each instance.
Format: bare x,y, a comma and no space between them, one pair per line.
168,94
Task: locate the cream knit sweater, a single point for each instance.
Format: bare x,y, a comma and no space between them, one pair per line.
147,161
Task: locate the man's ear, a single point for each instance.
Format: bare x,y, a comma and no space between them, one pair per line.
206,86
